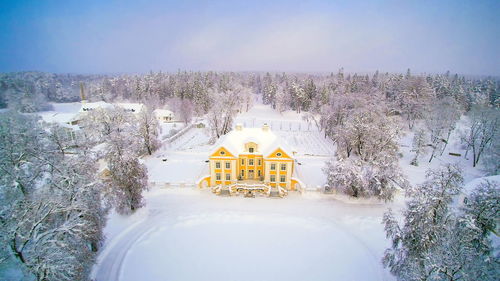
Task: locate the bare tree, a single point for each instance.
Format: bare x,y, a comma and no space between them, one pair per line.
222,113
419,145
128,179
483,127
148,130
186,111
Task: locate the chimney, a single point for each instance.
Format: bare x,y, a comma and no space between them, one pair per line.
265,127
82,93
239,127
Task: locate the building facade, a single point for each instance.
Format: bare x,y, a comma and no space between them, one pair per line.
252,155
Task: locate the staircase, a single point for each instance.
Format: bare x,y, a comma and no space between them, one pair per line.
250,190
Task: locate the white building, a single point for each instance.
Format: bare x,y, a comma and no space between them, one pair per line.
164,115
135,108
87,107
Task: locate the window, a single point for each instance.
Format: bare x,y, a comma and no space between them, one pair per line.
283,167
242,161
217,165
273,178
258,173
250,162
222,153
278,154
242,173
217,176
228,165
250,150
282,178
228,177
259,161
273,167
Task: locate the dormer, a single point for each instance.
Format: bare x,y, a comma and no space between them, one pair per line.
251,147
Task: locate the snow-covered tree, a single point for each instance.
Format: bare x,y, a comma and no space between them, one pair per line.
491,158
148,130
127,180
51,214
450,114
269,91
64,138
221,115
124,138
424,225
436,130
419,145
186,111
437,242
358,178
414,98
369,134
101,123
482,205
367,155
346,177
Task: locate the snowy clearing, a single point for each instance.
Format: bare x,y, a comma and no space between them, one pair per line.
186,234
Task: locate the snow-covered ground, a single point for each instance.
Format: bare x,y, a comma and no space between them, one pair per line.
416,175
61,112
191,234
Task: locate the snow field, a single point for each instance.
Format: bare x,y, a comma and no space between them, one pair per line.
308,143
186,234
195,139
180,167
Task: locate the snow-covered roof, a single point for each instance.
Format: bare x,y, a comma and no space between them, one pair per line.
56,117
133,107
163,112
102,165
63,119
93,105
266,141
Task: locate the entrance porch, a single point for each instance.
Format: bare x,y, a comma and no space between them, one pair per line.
250,188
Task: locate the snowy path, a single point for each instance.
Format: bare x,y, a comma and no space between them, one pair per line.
110,262
186,234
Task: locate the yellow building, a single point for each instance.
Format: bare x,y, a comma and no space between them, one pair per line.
251,156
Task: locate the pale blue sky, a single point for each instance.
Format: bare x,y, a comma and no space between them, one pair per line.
96,36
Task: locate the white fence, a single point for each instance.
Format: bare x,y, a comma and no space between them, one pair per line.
179,133
165,185
292,126
172,184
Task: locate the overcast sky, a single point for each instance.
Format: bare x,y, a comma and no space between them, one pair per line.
97,36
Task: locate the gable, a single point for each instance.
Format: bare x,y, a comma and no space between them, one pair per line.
222,152
274,154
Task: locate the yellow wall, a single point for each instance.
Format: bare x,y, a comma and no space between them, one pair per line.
277,157
222,156
244,161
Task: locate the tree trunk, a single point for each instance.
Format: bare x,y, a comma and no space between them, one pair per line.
432,155
474,156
